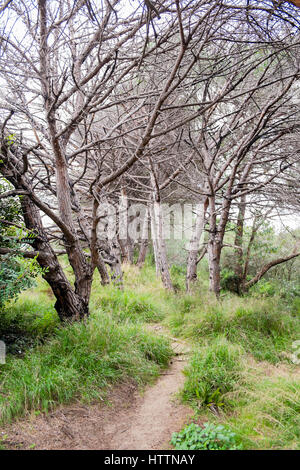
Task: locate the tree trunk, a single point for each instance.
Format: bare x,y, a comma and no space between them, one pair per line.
83,271
125,243
215,244
69,305
248,253
116,265
154,241
102,270
214,251
238,269
192,262
160,245
144,240
214,255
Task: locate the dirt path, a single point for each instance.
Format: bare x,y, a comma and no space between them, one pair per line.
132,422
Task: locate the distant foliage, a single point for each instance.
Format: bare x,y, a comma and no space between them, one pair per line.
229,280
16,275
16,272
210,437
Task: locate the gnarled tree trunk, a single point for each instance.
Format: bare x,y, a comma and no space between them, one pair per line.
69,305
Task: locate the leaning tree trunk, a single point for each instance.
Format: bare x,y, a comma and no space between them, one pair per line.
295,253
83,271
192,262
69,304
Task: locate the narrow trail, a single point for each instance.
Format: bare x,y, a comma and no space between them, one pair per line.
133,421
151,423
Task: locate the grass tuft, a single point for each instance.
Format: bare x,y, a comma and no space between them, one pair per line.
213,371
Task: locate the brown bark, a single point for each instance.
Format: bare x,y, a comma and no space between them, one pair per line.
83,271
142,253
214,250
96,258
248,253
69,304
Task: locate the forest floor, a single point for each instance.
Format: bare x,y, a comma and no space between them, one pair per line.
113,382
130,420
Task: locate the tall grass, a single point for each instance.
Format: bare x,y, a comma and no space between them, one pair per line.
239,372
267,411
80,361
265,327
213,371
128,305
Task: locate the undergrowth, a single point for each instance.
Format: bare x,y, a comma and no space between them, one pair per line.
208,437
81,360
239,375
265,327
213,371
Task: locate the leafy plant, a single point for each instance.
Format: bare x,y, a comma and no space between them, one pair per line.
16,272
210,437
16,275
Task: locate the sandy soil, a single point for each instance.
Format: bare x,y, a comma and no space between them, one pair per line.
131,421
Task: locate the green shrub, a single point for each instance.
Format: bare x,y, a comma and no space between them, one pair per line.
210,437
296,306
266,288
265,332
16,272
178,273
16,275
229,280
